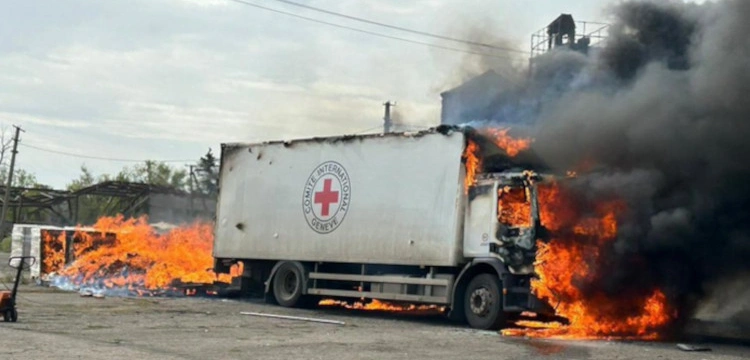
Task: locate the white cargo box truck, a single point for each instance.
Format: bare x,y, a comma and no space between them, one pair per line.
384,217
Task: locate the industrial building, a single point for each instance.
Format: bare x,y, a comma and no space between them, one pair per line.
479,98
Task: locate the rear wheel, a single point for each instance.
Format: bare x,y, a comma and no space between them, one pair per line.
483,303
287,285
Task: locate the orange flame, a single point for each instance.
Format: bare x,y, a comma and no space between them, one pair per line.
53,258
513,207
473,164
472,156
570,261
130,254
512,146
376,305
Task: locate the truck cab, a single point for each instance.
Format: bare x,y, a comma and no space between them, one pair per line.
501,232
502,220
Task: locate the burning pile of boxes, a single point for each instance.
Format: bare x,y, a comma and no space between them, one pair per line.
53,247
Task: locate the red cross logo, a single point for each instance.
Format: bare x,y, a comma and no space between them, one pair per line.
326,197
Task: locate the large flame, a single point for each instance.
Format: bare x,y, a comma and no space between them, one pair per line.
128,254
512,207
567,276
472,153
581,235
54,245
512,146
473,164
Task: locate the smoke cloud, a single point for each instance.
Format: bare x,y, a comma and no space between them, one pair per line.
661,119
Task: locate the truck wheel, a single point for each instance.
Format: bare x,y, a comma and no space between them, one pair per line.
483,303
287,284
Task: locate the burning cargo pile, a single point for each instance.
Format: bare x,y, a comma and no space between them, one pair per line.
118,256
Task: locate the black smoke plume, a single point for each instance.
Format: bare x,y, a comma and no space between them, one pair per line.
662,115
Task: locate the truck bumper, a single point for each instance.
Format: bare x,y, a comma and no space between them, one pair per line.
517,296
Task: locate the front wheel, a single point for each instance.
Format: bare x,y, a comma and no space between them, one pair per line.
483,303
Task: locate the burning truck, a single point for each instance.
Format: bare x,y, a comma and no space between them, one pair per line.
470,223
357,218
646,217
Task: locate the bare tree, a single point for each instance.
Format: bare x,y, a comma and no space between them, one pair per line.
6,144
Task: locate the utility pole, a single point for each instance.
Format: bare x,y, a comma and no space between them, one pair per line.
192,190
387,121
9,183
148,171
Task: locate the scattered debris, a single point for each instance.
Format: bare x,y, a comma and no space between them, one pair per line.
294,318
688,347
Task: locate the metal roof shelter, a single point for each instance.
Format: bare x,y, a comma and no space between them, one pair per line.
61,207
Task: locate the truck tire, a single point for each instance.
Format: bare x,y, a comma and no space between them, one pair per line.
483,303
287,285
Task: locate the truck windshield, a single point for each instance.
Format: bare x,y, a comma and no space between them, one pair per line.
513,207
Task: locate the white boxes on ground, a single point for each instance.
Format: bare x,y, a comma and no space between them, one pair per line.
26,240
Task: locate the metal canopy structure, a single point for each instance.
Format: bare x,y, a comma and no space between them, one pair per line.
580,35
61,207
126,189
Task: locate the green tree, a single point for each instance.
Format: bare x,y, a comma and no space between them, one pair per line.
21,178
84,180
90,207
207,174
154,173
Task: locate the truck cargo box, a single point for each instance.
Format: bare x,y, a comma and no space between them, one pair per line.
384,199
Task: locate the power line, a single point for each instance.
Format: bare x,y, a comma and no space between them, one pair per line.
99,157
424,33
369,32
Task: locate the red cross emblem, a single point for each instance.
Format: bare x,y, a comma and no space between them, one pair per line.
326,197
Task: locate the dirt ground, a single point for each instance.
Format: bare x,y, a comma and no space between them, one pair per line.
62,325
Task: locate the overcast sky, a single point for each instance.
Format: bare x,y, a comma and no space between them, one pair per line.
167,79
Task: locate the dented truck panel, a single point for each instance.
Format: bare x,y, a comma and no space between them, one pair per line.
377,199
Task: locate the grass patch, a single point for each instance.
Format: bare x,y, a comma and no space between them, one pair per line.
5,245
10,278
